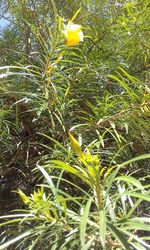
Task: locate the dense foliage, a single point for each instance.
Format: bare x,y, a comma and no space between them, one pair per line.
75,125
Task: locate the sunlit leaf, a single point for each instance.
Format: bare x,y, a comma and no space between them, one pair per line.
84,221
102,226
130,180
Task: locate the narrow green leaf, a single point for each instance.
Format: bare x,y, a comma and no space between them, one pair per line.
75,15
16,215
145,196
78,172
138,158
110,179
130,77
102,226
119,235
138,246
129,91
136,225
88,244
136,204
130,180
49,180
142,219
136,238
10,242
84,221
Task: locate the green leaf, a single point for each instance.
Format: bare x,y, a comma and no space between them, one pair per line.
78,172
102,226
138,246
136,204
49,180
84,221
10,242
88,244
138,158
130,180
110,180
119,235
142,219
136,225
129,91
136,238
75,15
145,196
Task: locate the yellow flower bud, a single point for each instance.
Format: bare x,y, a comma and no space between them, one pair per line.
76,146
24,198
73,34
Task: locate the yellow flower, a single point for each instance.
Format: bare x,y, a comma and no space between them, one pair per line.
73,34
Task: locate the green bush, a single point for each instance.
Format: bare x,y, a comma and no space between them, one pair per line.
93,192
